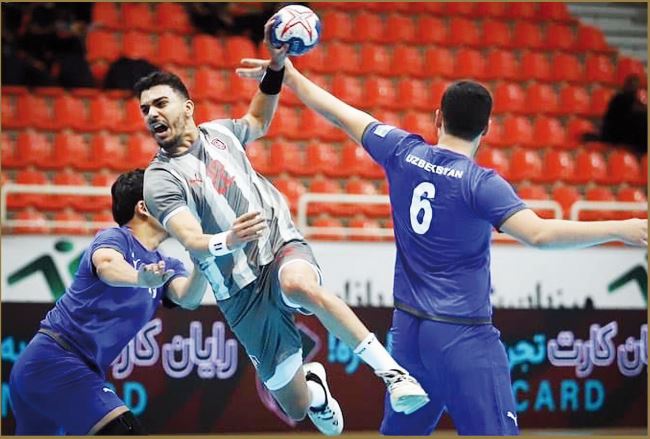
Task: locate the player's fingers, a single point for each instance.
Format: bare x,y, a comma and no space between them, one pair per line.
254,61
243,228
245,217
254,229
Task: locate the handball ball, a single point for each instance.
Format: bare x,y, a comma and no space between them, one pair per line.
298,26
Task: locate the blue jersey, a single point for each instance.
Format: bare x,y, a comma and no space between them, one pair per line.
444,208
98,320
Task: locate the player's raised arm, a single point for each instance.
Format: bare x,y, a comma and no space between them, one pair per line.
113,270
532,230
264,103
188,292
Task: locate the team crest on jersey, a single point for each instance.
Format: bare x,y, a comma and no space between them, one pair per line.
218,143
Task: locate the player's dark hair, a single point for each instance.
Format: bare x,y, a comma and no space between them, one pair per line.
160,77
466,107
126,192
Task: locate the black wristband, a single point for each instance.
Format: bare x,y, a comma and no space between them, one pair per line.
271,83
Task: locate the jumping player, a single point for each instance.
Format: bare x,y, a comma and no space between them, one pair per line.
197,184
58,384
444,208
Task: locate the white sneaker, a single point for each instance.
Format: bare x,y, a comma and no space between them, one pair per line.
328,418
406,394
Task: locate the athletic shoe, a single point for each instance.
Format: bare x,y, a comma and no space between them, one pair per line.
327,418
406,394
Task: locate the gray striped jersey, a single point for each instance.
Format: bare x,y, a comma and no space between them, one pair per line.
215,180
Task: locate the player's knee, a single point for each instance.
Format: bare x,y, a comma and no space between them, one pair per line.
300,288
125,424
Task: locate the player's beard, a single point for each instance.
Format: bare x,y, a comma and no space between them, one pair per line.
173,142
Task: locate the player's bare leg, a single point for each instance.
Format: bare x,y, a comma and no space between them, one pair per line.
300,285
308,394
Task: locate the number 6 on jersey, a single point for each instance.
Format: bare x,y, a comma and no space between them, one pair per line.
423,196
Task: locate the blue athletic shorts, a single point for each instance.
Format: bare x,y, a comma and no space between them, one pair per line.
463,368
53,391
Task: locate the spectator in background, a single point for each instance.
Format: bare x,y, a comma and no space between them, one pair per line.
626,119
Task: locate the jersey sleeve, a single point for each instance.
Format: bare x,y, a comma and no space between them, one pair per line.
384,141
239,127
164,194
113,238
494,199
177,266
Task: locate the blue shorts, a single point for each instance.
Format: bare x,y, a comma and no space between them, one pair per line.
463,368
53,391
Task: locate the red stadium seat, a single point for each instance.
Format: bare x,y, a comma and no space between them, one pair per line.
358,186
71,112
9,153
576,129
509,98
67,177
172,48
420,123
330,223
107,152
35,112
70,149
107,15
103,178
574,100
526,35
408,62
242,88
534,65
436,90
566,196
463,32
493,159
102,45
368,27
558,166
38,223
460,8
629,66
549,132
362,223
321,157
494,136
72,223
106,113
599,68
495,34
380,93
491,9
440,62
413,93
435,8
524,10
141,149
643,175
31,148
590,166
207,50
287,157
30,175
206,111
172,16
555,12
138,16
375,59
470,64
258,155
342,57
631,195
286,123
535,192
104,216
598,194
623,167
566,67
431,30
337,25
402,29
321,185
501,64
236,48
291,188
138,45
211,84
591,39
541,99
517,131
525,165
559,37
600,97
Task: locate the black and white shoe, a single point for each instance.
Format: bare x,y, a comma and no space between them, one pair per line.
406,394
327,418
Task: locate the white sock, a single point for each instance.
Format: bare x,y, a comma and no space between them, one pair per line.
317,393
375,355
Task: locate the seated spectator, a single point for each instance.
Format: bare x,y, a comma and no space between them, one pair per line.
626,119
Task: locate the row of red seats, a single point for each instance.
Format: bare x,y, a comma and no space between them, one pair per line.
75,150
540,11
587,166
142,16
67,215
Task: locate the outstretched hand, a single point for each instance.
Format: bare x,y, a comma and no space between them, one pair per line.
248,227
634,232
278,55
153,275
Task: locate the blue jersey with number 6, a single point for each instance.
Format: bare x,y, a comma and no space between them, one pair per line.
444,208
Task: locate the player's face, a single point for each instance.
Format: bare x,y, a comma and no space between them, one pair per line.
165,115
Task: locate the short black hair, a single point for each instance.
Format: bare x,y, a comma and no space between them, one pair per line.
466,108
126,192
160,77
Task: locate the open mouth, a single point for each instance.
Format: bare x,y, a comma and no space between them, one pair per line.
159,129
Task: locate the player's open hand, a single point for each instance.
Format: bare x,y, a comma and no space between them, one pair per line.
248,227
253,68
278,55
634,232
153,275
